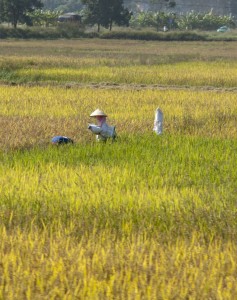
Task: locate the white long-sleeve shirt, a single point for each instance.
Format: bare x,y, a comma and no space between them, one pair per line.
103,132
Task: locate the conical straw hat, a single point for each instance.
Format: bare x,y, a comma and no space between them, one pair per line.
98,112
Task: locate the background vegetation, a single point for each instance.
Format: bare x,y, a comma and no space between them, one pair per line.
95,16
69,31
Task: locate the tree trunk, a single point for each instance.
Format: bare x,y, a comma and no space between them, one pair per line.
14,19
98,28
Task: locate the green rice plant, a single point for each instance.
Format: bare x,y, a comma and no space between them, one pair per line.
149,216
151,183
218,74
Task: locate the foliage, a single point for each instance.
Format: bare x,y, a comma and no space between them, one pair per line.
61,31
204,21
44,17
165,19
68,30
14,11
106,12
143,19
191,20
157,20
148,35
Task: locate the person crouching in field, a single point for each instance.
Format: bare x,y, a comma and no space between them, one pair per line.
102,130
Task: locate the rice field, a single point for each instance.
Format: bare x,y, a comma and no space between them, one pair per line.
146,217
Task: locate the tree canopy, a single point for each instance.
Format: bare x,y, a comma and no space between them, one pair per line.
106,12
14,11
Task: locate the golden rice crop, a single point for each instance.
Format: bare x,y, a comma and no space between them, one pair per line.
217,74
34,115
124,221
118,49
147,217
102,267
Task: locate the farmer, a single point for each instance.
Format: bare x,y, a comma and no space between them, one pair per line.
102,130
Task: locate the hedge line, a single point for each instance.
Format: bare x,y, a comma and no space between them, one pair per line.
43,33
154,36
73,32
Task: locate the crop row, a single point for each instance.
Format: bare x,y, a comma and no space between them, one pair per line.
216,74
32,116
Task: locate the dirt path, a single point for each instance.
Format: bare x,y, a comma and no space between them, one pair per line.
123,86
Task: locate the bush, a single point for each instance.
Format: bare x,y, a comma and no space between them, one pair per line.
190,20
153,36
146,35
62,31
203,21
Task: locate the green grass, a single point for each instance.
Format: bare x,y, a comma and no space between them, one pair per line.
165,184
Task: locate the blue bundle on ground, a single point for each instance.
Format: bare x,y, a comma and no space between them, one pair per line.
61,140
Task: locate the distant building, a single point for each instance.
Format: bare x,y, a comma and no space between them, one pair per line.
70,17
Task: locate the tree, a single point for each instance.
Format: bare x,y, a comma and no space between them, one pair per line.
118,14
1,11
106,12
45,18
14,11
